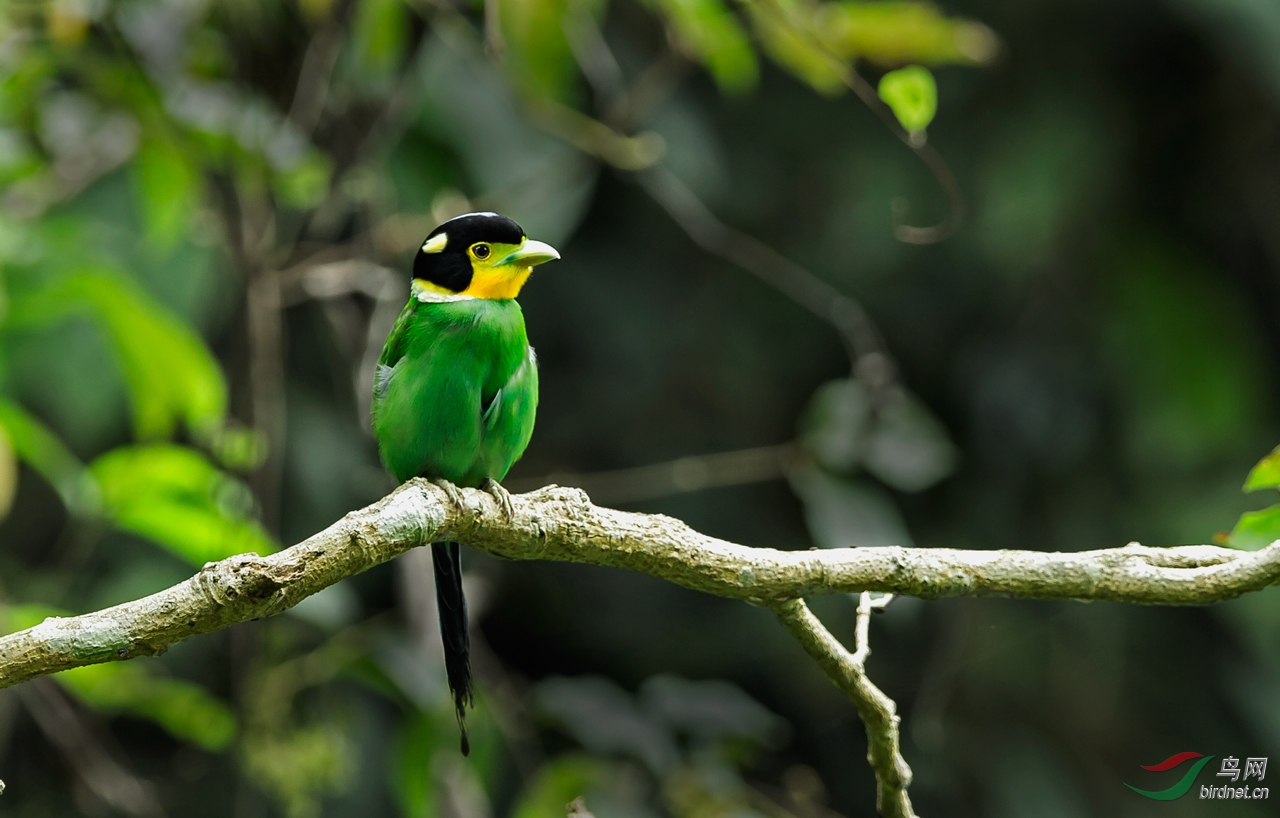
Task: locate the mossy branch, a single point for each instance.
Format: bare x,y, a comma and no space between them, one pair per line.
561,524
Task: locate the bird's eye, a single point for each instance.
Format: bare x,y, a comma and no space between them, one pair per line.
481,250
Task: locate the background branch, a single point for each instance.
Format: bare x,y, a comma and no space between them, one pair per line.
871,360
102,775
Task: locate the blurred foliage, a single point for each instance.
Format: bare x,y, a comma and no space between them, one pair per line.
913,96
199,206
185,710
1258,529
176,497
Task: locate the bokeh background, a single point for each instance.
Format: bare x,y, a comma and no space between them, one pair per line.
208,212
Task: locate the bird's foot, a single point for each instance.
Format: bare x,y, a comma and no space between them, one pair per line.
495,489
452,492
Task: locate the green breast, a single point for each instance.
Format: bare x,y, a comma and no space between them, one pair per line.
456,391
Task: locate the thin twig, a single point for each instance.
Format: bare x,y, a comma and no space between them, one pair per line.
870,357
871,360
105,777
495,45
267,386
346,277
931,158
312,90
878,712
681,476
594,57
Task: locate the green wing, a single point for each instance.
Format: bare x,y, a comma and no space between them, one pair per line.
392,351
508,420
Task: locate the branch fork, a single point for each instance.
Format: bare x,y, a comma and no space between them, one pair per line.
562,524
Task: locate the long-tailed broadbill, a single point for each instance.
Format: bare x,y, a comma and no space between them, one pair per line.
456,389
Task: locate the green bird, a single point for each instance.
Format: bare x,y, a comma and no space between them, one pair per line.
456,390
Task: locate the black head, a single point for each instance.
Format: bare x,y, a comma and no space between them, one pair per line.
447,262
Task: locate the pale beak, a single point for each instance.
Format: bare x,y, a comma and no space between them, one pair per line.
531,254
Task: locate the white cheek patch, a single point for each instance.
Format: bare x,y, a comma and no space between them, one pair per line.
436,243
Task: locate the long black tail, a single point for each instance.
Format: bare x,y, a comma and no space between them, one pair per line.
447,559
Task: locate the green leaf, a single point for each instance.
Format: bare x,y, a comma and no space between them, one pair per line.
174,496
893,33
171,375
1265,475
168,192
713,35
183,709
1256,529
912,95
787,36
41,449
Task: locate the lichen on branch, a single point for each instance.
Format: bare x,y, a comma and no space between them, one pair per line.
562,524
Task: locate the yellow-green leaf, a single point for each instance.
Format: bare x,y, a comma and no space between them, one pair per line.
712,34
171,375
912,95
894,33
1266,474
177,498
41,449
786,34
184,709
1256,529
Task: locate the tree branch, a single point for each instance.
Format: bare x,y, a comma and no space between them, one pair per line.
877,711
561,524
556,523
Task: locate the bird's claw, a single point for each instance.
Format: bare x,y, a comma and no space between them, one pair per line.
495,489
452,492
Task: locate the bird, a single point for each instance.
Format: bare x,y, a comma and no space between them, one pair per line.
456,391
